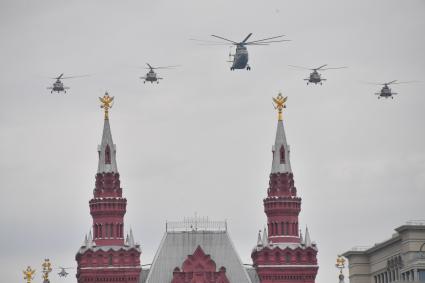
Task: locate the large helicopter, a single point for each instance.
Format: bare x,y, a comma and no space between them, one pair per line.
240,58
315,77
385,91
151,76
58,84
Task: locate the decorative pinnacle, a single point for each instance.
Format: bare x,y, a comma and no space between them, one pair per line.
279,104
340,263
47,268
106,101
28,274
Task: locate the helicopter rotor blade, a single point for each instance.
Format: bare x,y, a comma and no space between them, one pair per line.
167,67
264,42
299,67
391,82
72,77
150,67
334,68
60,76
265,39
318,68
246,38
405,82
234,42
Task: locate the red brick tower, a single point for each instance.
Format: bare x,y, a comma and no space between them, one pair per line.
105,256
282,255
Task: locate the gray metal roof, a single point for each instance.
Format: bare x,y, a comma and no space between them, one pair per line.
107,140
176,246
278,167
253,274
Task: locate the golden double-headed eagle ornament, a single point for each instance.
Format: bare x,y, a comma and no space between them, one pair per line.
29,274
279,104
47,268
106,104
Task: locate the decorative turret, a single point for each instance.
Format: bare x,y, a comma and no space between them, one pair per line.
115,261
284,255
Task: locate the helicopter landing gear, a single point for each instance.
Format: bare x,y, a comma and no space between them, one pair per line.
157,82
321,83
144,82
232,69
248,68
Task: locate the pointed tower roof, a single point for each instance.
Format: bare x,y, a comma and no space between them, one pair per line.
281,162
265,237
107,148
259,241
307,239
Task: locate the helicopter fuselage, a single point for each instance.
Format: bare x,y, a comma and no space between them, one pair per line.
240,59
58,87
315,78
386,92
151,77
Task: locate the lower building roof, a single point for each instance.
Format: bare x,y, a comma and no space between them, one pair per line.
176,246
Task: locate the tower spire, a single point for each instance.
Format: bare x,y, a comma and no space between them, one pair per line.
107,148
280,162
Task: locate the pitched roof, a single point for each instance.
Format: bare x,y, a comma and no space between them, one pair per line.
176,246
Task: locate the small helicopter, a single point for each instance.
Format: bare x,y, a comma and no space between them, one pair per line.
240,58
62,272
386,90
315,77
151,76
58,84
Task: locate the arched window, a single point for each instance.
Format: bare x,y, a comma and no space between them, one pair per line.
288,257
107,154
282,155
110,260
298,257
100,231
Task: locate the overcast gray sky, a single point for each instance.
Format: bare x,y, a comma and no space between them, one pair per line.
200,141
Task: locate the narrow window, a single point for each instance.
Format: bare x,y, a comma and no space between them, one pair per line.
110,260
288,258
107,155
282,155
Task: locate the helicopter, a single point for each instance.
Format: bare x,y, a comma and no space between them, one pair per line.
62,272
151,76
58,84
315,77
240,58
386,90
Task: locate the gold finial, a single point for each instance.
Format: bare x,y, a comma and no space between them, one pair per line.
340,263
28,274
279,104
47,268
106,101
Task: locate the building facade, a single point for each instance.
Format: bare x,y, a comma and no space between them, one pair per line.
398,259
